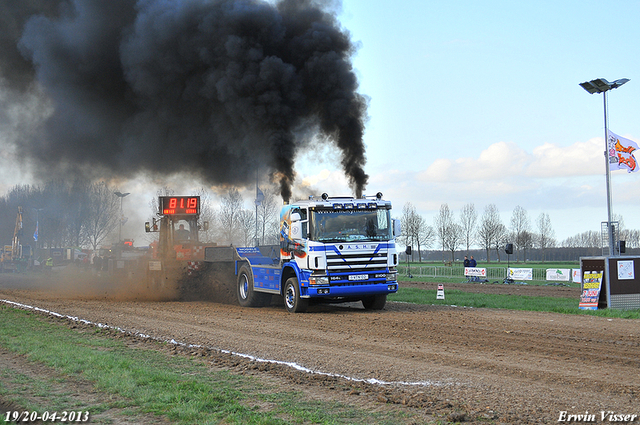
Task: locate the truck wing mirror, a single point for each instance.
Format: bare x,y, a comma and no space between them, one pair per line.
295,217
396,227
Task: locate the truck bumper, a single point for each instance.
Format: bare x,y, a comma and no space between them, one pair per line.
351,291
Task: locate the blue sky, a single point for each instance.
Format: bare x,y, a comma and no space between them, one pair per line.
479,102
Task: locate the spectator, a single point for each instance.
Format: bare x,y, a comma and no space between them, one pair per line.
472,262
466,264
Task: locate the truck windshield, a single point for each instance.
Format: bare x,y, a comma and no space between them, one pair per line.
350,225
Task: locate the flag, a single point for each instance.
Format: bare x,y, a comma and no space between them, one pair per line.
259,197
620,153
35,234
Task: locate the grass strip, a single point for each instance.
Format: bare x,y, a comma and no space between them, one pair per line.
509,302
143,381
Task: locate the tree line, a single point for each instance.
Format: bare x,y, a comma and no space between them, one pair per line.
88,215
487,232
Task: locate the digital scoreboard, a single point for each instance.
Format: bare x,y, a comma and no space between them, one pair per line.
179,205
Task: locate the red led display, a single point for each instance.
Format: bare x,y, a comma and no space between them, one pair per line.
179,205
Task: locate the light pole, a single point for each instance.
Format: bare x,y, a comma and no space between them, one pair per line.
600,85
121,196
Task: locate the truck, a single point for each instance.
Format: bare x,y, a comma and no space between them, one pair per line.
332,249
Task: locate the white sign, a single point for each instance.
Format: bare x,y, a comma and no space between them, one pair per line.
521,274
625,270
576,276
563,275
440,292
475,271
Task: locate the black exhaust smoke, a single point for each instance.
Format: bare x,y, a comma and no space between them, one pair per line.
211,88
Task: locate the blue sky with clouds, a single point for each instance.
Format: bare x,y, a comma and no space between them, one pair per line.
479,102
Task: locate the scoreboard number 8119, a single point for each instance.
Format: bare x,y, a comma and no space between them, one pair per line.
179,205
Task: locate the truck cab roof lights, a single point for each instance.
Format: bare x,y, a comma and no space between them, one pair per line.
348,206
361,205
337,206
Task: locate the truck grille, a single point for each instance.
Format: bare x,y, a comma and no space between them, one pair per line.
354,263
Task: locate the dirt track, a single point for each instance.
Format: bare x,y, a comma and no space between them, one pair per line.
452,362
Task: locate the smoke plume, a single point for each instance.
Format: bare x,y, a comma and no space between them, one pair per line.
211,88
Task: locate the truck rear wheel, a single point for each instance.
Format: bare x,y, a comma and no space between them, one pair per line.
375,302
247,297
292,300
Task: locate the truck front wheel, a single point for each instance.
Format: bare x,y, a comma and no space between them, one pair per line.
374,302
292,300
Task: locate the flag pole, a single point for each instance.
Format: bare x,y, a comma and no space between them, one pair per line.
608,176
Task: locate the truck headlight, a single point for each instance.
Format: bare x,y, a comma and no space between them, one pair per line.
318,280
392,277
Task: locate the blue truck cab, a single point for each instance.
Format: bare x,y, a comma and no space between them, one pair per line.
338,249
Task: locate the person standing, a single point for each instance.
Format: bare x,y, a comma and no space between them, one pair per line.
472,262
466,264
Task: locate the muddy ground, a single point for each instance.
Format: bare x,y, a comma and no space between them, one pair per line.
436,362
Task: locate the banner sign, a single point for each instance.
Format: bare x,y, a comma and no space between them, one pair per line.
591,286
521,274
620,152
563,275
576,276
475,271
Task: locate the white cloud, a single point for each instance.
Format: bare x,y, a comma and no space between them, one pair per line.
508,159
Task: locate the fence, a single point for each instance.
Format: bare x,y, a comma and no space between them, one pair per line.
493,273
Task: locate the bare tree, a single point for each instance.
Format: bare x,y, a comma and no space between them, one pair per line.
446,229
426,236
546,236
468,224
415,230
452,241
229,217
268,218
520,228
409,232
206,233
246,227
78,211
491,233
634,239
623,232
102,212
501,239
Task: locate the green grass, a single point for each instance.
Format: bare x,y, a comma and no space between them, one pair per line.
510,302
144,381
